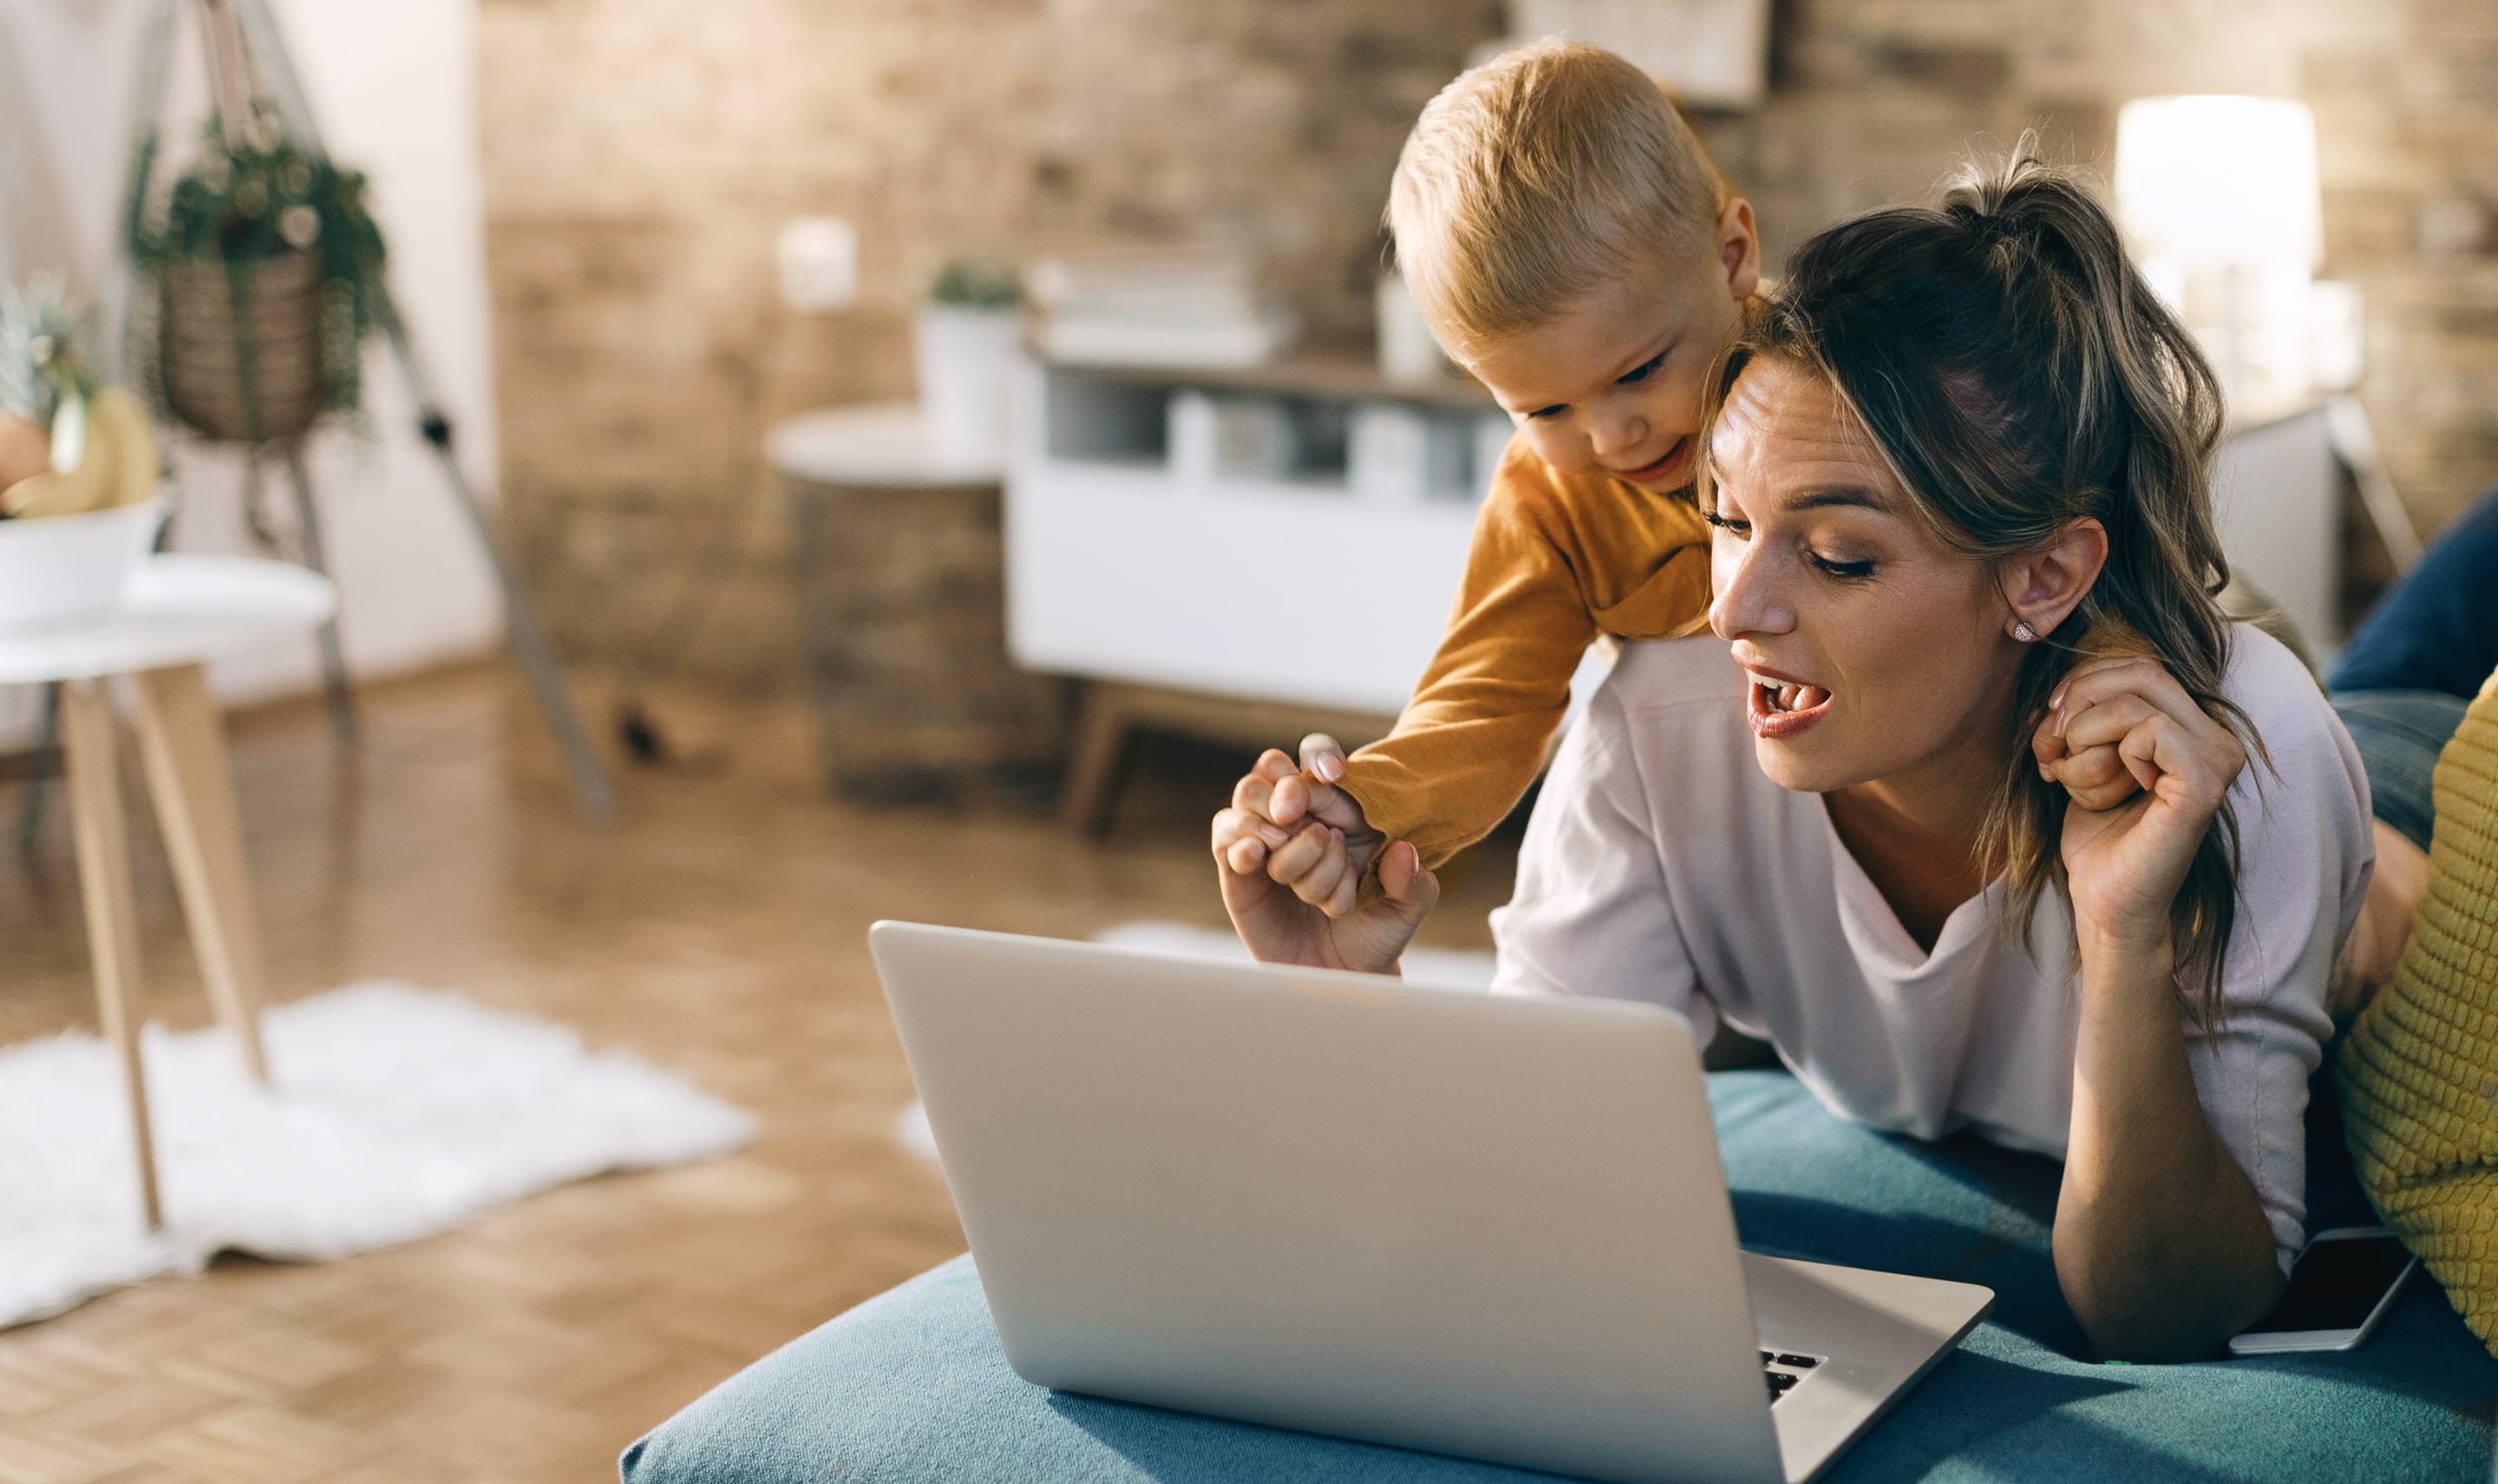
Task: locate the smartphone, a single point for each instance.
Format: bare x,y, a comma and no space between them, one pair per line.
2344,1282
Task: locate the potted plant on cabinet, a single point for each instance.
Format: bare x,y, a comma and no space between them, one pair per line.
966,338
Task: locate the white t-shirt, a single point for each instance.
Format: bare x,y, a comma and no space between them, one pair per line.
1662,864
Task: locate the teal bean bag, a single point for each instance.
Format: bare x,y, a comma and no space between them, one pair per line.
911,1387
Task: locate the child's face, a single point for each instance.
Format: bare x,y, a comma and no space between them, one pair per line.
1612,385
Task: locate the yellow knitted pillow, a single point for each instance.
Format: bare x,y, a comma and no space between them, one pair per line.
2419,1074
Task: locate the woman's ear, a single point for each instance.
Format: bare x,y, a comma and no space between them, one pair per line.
1739,249
2044,584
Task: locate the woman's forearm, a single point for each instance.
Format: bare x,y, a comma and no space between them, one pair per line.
2161,1244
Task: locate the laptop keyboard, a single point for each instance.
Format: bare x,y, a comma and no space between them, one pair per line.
1783,1370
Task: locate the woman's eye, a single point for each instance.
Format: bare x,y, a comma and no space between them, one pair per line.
1732,528
1850,570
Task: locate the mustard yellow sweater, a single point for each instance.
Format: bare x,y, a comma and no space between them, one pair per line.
1556,560
2419,1074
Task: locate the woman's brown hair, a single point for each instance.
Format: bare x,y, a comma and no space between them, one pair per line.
2018,375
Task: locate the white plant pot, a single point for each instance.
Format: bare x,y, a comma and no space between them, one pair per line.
965,358
58,570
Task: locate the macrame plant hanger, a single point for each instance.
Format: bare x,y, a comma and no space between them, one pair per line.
255,90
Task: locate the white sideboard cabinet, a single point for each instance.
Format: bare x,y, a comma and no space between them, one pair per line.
1293,534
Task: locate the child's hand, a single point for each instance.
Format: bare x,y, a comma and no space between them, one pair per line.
1312,791
1299,810
1264,866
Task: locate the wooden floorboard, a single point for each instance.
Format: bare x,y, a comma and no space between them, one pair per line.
720,931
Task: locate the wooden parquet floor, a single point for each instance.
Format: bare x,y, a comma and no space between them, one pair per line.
719,931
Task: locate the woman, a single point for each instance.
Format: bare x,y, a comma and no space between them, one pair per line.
1960,439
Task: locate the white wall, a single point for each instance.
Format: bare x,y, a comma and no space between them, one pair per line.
395,89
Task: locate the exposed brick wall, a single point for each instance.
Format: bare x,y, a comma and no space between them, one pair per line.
640,155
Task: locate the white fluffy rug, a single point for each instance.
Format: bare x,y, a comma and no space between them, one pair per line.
1431,968
398,1113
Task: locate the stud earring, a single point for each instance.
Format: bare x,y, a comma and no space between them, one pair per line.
2022,630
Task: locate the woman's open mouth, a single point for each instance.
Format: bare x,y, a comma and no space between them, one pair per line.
1780,708
1668,470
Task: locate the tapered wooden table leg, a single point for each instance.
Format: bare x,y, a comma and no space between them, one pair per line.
192,784
112,923
1102,735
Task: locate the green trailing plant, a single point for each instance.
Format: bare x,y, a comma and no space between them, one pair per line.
243,203
977,283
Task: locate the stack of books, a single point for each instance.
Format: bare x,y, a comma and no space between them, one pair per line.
1162,308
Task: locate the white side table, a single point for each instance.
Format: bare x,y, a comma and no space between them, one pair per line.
875,445
179,612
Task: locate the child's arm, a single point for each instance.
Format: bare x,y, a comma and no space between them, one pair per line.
1484,713
1554,560
1473,736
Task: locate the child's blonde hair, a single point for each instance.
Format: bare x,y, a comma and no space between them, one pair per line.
1534,178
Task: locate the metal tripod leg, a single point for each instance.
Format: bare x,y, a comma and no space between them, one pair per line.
334,658
590,786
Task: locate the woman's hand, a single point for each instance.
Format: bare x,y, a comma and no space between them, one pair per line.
2127,864
1291,881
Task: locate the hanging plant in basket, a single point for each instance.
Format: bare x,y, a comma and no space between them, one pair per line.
264,269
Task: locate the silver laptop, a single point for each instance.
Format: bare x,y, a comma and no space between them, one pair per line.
1484,1226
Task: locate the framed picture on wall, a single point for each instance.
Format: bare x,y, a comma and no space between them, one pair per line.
1715,52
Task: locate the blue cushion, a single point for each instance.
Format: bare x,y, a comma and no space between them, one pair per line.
911,1386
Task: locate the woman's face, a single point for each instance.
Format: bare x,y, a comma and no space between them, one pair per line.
1876,652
